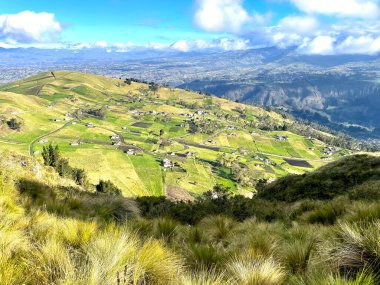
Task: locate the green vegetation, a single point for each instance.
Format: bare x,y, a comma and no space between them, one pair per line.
51,156
107,187
223,193
121,130
13,124
327,182
56,232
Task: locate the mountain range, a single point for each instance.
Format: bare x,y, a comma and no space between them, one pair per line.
339,91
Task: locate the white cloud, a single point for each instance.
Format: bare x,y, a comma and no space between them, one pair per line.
304,25
216,44
181,45
221,15
27,27
101,44
342,8
323,45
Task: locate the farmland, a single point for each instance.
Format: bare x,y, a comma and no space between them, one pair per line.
125,133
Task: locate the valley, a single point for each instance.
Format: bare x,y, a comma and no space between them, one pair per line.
149,139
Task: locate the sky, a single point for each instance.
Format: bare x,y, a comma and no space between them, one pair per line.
311,26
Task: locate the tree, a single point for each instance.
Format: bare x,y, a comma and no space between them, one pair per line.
63,168
51,155
162,132
79,176
108,187
153,87
13,124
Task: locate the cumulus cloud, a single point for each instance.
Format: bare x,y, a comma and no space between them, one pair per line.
28,27
342,8
216,44
221,15
322,45
303,25
328,45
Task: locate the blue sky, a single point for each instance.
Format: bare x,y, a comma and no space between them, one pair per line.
314,26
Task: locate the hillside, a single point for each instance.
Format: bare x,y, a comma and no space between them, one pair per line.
55,232
334,90
327,182
153,140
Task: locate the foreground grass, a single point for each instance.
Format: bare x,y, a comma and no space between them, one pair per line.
52,232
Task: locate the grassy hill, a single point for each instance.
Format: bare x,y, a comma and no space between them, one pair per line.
208,140
327,182
53,231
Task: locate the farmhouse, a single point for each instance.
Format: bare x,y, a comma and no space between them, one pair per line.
118,143
43,141
68,115
131,151
281,137
167,163
190,154
57,120
74,144
115,137
89,125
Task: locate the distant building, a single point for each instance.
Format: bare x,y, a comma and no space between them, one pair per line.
281,137
131,151
89,125
115,137
43,141
167,163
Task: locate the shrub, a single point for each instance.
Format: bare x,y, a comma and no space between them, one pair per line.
108,187
14,124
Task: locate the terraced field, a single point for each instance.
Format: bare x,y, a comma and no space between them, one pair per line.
145,141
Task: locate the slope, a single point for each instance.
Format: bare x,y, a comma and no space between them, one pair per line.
124,131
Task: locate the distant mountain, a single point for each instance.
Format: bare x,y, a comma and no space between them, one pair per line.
340,91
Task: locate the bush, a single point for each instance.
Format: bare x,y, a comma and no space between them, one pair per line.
13,124
108,187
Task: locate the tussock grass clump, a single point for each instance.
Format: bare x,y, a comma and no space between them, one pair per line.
324,278
205,255
364,212
257,272
218,227
210,277
296,249
165,228
358,248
